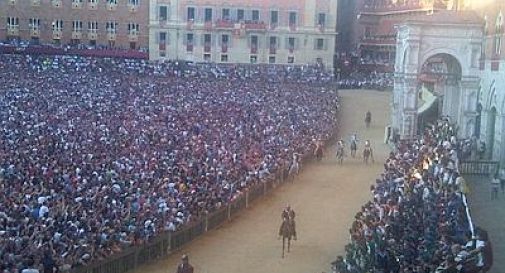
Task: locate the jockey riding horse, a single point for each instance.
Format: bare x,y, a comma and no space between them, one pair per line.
288,227
354,145
367,152
368,119
289,214
318,151
340,151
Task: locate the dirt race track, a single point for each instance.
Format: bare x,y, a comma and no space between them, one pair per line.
325,196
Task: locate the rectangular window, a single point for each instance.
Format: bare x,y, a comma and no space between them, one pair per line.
207,57
292,18
190,38
57,25
207,15
321,19
34,23
271,59
77,26
224,57
92,1
134,2
273,42
291,43
319,44
12,21
162,41
133,29
163,37
112,2
291,59
225,38
225,15
497,44
111,27
255,15
254,41
274,17
207,39
93,26
191,14
163,13
240,15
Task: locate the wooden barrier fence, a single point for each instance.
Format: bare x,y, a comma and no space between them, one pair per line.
168,242
478,167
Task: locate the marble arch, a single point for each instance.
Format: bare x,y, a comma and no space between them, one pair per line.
456,39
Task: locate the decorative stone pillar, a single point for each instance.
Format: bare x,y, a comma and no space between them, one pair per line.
468,107
409,107
397,102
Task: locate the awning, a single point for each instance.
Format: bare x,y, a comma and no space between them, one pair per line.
429,99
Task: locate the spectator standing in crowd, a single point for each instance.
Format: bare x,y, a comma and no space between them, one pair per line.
184,266
495,187
417,220
98,155
502,180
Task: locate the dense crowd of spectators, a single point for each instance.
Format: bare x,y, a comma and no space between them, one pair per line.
417,221
100,154
361,80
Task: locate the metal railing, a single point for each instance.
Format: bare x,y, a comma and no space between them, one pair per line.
478,167
162,245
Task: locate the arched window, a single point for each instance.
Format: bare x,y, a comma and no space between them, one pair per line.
498,34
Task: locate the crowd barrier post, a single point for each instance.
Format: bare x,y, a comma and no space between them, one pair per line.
229,212
165,244
206,221
247,198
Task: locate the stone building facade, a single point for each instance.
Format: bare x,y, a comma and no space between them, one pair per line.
243,31
112,23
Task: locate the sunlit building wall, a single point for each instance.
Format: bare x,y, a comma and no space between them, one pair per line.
111,23
243,31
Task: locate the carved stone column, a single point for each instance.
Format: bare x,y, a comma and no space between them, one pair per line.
409,107
468,107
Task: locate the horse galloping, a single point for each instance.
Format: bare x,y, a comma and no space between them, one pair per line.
340,152
287,232
354,147
368,119
367,154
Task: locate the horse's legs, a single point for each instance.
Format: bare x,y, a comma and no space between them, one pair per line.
283,242
289,243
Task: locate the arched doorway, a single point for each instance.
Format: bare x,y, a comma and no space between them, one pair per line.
440,78
423,52
491,125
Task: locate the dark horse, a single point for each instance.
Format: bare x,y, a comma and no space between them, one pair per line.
367,153
354,147
368,119
286,231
